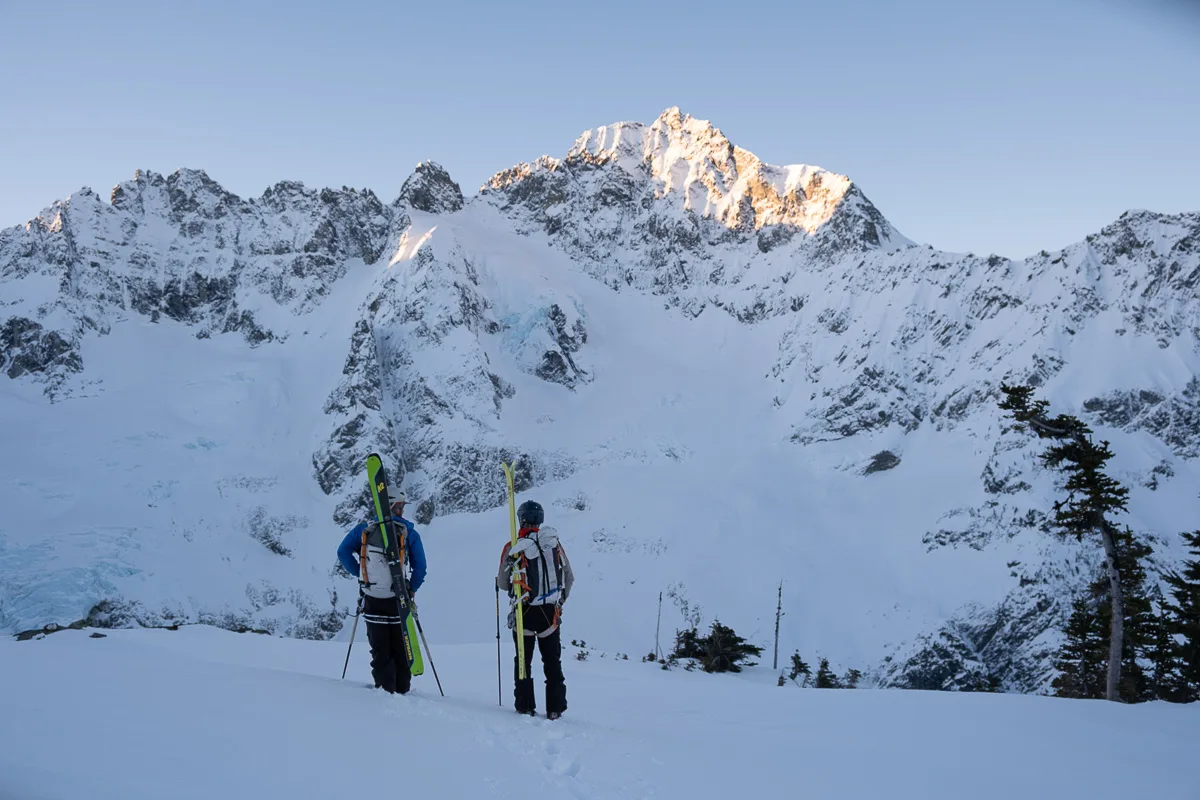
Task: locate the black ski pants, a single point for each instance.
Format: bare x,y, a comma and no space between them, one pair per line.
538,620
389,659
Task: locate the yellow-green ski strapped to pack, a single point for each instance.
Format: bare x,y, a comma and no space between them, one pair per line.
518,580
391,546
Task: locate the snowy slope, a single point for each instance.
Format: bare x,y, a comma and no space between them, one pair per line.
200,713
715,373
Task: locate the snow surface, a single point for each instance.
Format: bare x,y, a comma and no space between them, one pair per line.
204,713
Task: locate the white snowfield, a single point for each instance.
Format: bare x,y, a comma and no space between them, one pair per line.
203,713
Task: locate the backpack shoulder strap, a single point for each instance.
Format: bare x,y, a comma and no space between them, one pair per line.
362,558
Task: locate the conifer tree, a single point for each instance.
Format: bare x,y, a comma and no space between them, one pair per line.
1183,622
1080,661
687,644
851,678
826,678
1092,497
1164,656
721,650
799,667
724,650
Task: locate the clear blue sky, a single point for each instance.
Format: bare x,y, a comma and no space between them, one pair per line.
1001,127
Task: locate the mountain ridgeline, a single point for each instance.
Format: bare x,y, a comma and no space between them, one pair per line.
542,320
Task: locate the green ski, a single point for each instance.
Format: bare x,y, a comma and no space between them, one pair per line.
377,478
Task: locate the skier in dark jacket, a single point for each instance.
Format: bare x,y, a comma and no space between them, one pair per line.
381,607
545,581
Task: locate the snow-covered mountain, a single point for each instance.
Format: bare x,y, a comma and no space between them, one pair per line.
715,373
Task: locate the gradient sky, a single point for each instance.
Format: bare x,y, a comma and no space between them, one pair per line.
1006,127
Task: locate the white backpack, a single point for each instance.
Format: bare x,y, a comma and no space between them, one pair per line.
376,575
542,563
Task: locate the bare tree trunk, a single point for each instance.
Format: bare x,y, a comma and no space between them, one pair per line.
657,627
778,614
1116,640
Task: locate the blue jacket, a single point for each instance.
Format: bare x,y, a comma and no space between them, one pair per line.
348,552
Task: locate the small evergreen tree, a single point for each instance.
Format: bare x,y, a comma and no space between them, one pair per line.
799,667
725,650
687,644
1183,622
851,678
1080,660
1163,655
826,678
721,650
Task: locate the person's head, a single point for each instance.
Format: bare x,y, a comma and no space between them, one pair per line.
398,499
530,514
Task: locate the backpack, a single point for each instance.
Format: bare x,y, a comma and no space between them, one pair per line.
541,564
373,560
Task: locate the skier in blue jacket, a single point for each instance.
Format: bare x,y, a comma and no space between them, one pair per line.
362,554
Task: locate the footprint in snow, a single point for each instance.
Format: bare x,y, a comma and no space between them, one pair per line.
562,765
556,761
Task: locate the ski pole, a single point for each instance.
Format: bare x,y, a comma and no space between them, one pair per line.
353,629
425,644
499,683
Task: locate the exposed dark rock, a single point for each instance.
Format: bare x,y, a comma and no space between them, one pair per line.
1161,470
430,189
425,512
271,531
1010,482
554,368
774,236
27,348
504,389
881,461
1003,648
244,323
976,527
945,663
1174,419
559,366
